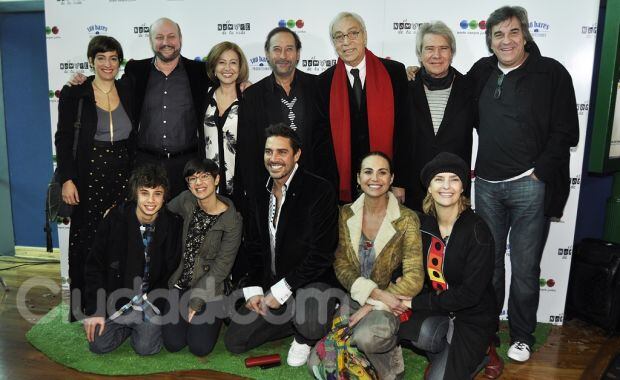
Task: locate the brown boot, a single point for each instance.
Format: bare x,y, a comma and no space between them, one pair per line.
495,366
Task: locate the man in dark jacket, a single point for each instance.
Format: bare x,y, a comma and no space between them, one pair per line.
170,94
363,100
290,244
136,249
527,124
286,96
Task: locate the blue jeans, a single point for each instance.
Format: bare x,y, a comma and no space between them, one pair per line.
145,335
516,206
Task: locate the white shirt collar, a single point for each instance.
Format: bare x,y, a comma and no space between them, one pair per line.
361,67
269,184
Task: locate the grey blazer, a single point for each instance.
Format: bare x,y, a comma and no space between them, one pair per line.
217,253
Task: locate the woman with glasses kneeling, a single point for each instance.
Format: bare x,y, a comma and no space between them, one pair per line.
377,237
454,317
211,238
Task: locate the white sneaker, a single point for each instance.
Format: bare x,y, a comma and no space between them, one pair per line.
519,351
298,354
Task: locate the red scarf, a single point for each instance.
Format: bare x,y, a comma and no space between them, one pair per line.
380,108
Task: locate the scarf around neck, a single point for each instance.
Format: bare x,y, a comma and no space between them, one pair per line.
380,111
434,84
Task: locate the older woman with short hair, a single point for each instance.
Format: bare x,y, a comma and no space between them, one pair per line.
441,102
227,67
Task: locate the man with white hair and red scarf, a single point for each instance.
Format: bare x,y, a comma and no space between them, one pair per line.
364,100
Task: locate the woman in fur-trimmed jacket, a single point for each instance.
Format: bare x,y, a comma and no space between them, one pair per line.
377,237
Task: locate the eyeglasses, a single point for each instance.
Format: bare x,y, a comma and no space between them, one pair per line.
498,90
203,177
352,36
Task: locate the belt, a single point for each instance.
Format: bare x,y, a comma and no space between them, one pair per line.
161,154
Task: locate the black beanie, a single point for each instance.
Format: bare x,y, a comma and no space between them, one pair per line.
445,162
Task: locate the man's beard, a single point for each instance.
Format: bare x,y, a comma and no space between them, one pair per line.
170,58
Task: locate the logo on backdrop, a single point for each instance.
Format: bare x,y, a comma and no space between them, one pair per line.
565,253
229,28
539,28
556,318
52,33
296,25
95,29
575,181
141,30
406,27
54,95
259,63
68,67
589,30
70,2
582,108
547,285
472,27
317,65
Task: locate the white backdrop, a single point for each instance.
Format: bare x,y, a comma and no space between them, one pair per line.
563,29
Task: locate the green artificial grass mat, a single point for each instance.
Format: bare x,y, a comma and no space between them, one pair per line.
65,343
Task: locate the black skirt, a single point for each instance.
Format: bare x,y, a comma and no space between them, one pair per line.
105,185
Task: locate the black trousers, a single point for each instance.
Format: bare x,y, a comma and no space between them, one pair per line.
457,354
200,335
307,315
105,185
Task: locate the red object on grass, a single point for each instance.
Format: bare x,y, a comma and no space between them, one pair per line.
261,361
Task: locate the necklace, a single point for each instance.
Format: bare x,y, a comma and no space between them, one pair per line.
107,95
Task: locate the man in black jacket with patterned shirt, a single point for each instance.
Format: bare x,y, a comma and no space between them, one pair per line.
286,96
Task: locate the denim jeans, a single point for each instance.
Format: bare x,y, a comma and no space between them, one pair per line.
145,335
516,206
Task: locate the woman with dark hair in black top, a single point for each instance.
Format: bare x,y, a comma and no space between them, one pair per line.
96,178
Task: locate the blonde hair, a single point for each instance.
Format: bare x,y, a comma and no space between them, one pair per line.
214,56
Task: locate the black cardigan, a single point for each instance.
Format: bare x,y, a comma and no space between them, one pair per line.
117,255
77,170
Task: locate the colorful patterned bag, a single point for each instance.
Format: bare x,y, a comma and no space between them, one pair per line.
338,359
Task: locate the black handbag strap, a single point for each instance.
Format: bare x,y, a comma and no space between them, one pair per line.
76,127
